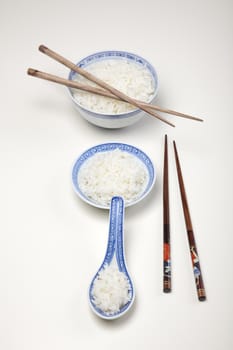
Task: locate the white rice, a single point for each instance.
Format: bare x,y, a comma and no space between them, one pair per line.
110,289
113,173
129,77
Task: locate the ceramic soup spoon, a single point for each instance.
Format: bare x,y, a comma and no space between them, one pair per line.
111,291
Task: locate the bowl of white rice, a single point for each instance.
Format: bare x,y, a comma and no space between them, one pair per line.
113,169
127,72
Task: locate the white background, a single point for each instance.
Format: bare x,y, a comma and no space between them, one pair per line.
51,243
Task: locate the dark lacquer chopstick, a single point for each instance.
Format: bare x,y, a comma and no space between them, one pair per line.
192,244
166,225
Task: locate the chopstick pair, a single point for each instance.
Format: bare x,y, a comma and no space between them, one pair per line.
166,229
106,89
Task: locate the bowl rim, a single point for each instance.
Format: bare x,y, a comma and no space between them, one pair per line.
110,146
113,54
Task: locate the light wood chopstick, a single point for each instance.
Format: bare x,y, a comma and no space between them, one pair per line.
191,239
102,92
100,82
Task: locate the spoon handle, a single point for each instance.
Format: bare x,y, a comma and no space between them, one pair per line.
116,227
115,235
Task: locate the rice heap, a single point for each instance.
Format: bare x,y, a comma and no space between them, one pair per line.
110,289
112,173
128,77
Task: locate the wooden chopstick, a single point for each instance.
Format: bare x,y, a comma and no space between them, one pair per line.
192,244
70,83
166,225
99,82
102,92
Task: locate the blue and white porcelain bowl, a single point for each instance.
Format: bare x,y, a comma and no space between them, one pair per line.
108,147
103,119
